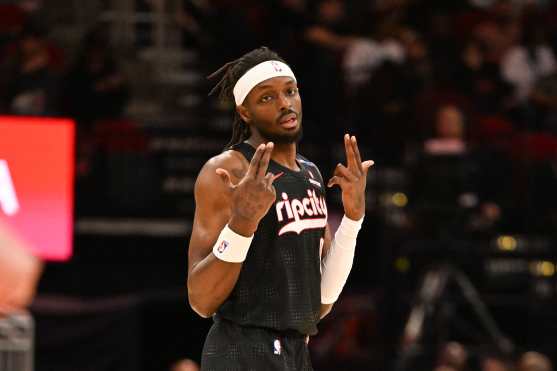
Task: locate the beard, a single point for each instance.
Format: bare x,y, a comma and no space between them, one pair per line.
281,138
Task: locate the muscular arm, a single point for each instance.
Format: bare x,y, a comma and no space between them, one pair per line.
227,191
210,280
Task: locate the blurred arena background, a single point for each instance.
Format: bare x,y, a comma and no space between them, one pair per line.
456,101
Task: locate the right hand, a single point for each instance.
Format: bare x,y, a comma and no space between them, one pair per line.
253,196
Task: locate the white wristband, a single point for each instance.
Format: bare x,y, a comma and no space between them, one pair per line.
231,247
337,264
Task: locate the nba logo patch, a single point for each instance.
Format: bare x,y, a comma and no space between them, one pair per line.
276,66
277,348
223,246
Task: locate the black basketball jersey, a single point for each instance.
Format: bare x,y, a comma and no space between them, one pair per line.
279,286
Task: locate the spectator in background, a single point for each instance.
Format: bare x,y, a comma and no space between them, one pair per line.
543,97
451,181
12,19
515,4
327,36
454,356
185,364
31,81
416,62
449,137
14,15
292,18
96,88
365,55
329,29
351,340
192,17
217,18
480,80
383,107
494,363
534,361
495,37
523,64
441,174
19,272
444,368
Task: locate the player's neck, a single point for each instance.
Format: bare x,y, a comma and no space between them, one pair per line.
283,153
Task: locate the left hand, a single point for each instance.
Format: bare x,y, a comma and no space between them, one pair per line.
352,180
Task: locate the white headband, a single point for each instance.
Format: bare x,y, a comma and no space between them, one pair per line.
261,72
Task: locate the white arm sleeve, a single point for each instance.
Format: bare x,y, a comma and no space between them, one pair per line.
336,266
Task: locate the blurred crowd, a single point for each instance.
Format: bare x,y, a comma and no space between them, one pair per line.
417,78
40,78
414,79
453,356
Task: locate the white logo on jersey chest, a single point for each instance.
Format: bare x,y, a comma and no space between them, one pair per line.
301,213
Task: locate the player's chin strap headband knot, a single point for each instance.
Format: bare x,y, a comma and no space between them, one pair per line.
263,71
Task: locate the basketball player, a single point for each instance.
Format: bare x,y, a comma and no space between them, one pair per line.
261,258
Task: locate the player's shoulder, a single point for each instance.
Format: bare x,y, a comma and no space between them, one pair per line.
232,161
229,160
312,170
304,160
307,163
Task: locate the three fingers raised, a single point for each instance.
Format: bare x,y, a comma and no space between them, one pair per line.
257,168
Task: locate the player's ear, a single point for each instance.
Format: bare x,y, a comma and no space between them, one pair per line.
244,113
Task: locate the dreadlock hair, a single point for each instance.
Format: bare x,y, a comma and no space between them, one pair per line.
231,73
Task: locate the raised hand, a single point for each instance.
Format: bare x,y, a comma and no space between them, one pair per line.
352,179
254,194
